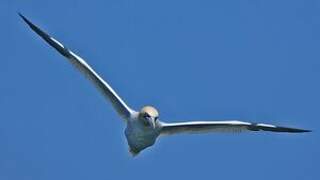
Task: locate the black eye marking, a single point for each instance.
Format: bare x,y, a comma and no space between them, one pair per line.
156,118
146,115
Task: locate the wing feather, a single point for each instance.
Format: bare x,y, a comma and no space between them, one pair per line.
120,106
222,126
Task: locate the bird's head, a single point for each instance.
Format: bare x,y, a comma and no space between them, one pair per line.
149,116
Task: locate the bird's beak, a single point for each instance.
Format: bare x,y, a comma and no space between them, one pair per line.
152,123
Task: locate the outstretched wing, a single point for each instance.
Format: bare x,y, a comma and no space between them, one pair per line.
222,126
122,109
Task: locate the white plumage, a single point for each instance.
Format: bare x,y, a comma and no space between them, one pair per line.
144,127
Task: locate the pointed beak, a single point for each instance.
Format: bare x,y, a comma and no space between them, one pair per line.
152,123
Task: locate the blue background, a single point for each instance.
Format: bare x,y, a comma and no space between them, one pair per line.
253,60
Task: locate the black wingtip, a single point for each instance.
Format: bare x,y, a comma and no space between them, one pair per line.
54,43
294,130
24,18
36,29
28,22
19,14
264,127
306,130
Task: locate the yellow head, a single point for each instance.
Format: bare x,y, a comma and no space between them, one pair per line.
149,115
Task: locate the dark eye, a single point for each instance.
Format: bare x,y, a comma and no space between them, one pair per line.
156,118
146,115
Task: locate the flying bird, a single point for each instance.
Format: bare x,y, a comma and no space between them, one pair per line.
144,127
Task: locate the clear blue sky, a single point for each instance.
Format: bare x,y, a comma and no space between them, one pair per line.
253,60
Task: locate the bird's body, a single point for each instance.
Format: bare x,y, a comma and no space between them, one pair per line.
140,133
144,127
139,136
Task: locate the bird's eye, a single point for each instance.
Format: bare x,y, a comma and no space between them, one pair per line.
146,115
156,118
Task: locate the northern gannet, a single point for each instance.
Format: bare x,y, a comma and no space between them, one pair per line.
144,127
